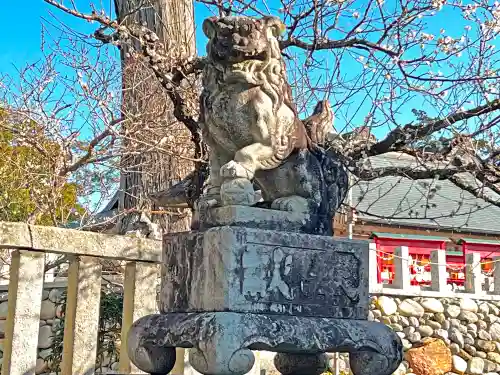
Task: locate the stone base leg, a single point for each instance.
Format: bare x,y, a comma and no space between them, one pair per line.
301,364
222,342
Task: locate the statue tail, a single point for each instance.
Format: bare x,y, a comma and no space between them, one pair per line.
336,185
336,181
318,125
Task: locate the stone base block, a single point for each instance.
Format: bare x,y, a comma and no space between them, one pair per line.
222,342
274,272
257,218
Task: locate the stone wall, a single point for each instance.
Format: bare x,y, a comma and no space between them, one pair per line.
51,333
470,328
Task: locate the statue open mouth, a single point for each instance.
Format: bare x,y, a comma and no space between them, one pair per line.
238,54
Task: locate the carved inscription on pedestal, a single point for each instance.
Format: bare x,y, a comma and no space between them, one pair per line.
262,271
287,280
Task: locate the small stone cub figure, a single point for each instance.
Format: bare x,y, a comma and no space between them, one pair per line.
253,131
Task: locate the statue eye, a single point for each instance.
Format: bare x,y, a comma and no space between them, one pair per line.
236,38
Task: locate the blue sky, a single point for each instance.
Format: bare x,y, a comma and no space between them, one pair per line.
24,48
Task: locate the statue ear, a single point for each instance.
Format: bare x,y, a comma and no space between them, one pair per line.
274,23
209,27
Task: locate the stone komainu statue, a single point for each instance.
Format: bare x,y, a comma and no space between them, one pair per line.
253,132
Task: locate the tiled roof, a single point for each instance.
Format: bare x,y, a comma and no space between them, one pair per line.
422,203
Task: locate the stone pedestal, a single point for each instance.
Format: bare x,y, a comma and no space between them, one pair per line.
230,289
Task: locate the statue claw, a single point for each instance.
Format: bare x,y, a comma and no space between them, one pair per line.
293,203
234,169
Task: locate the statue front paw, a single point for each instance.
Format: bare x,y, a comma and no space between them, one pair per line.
234,169
293,203
239,191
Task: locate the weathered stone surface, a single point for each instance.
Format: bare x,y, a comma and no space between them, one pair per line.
494,309
404,321
459,364
468,339
433,324
481,354
470,349
386,320
409,330
44,354
248,270
297,364
23,323
440,317
487,346
411,308
495,357
48,310
481,324
432,305
484,335
41,366
397,327
257,218
472,327
489,366
227,337
466,304
290,176
442,334
425,331
454,348
414,337
456,336
387,305
370,317
468,316
45,337
77,242
240,191
56,295
3,310
406,344
83,300
475,366
484,308
465,355
495,331
490,318
432,358
452,311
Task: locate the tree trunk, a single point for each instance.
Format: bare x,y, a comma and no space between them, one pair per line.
160,147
